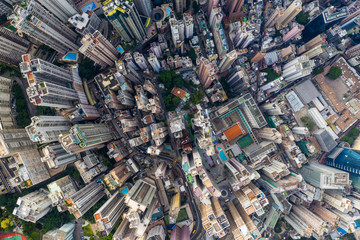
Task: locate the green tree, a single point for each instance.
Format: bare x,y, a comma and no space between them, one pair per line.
178,82
271,74
176,101
3,19
87,69
308,122
6,224
334,73
47,111
318,70
196,6
302,18
55,219
192,55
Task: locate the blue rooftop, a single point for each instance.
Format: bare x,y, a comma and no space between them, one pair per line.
347,160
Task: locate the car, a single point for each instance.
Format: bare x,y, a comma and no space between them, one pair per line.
194,231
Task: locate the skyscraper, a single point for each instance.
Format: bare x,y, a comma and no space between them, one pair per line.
5,7
273,17
49,84
83,137
154,62
180,6
206,72
62,9
45,129
233,8
13,141
12,47
99,49
228,59
297,68
345,159
31,18
55,155
189,25
289,14
110,212
270,134
126,20
324,177
88,22
144,7
64,233
33,206
81,201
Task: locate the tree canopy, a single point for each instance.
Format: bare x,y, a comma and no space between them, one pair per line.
87,69
334,73
308,122
302,18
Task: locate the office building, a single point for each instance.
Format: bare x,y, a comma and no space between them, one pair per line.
324,21
126,20
237,79
206,72
86,23
297,68
60,190
99,49
64,233
80,202
233,8
180,6
144,7
325,140
270,134
14,141
83,137
227,61
32,19
45,129
33,206
109,213
345,159
156,233
154,62
12,46
54,155
62,9
289,14
189,25
324,177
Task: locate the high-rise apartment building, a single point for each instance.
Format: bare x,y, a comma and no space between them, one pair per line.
55,155
125,18
238,228
110,212
293,32
213,218
6,118
5,7
156,233
45,129
220,40
228,59
13,141
140,60
86,23
289,14
141,194
353,51
65,232
83,137
144,7
99,49
62,9
270,134
233,8
81,201
177,31
297,68
12,47
215,16
154,62
180,6
276,13
60,190
31,18
33,206
189,25
206,72
324,177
